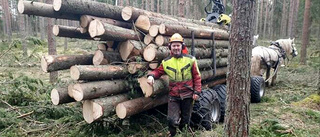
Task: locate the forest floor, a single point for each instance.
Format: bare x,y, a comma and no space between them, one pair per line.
290,108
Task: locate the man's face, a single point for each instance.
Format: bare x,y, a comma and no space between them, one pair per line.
176,48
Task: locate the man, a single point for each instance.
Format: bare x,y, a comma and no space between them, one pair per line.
184,83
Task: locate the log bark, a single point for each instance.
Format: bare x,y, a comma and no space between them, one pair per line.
131,48
86,19
213,83
185,31
101,72
207,74
105,57
44,10
70,32
97,108
99,30
92,90
147,39
132,14
134,67
164,41
60,96
52,63
88,7
160,86
207,63
150,53
135,106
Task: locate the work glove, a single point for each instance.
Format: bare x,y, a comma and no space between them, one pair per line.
195,96
150,80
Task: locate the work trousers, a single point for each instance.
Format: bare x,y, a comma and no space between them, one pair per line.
179,113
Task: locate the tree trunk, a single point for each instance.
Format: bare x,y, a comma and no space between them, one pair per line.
284,19
306,33
152,5
70,32
166,7
271,33
97,108
160,86
92,90
257,18
86,19
107,31
51,47
131,48
266,19
291,12
7,15
101,72
185,31
181,8
204,43
261,17
135,106
52,63
295,18
23,35
238,78
88,7
105,57
60,96
44,10
158,6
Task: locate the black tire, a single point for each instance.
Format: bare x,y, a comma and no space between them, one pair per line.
257,89
221,92
205,109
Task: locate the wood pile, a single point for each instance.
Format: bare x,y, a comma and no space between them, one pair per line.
133,41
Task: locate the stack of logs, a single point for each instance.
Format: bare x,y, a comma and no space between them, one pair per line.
133,41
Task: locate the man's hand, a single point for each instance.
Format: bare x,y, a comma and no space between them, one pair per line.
195,97
150,80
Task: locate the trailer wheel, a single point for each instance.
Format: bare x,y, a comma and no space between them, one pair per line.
206,110
257,89
221,92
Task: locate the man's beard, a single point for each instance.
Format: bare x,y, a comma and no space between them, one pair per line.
176,55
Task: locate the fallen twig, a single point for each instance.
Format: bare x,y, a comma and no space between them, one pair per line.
26,114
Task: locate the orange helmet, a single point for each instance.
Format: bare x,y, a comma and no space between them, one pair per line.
176,37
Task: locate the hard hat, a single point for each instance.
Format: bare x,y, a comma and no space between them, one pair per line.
203,19
176,37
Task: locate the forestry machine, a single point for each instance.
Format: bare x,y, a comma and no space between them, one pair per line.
217,13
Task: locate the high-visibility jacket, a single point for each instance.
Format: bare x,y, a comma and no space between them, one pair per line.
184,75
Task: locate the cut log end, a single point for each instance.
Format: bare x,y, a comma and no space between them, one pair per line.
162,29
102,47
154,30
75,73
91,111
126,13
45,62
98,58
57,5
77,92
55,97
147,39
153,65
146,88
149,53
121,111
125,49
20,6
85,21
96,28
143,23
55,30
159,40
70,88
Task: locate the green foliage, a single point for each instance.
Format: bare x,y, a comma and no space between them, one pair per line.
268,128
7,118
